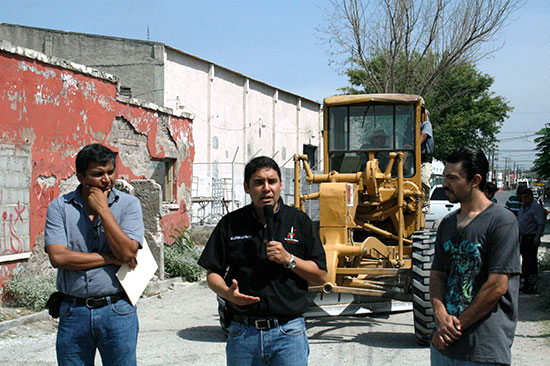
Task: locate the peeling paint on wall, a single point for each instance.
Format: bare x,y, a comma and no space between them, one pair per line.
68,109
47,74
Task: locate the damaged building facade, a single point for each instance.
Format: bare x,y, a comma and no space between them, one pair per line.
49,109
235,117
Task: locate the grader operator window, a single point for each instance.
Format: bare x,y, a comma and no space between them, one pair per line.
354,131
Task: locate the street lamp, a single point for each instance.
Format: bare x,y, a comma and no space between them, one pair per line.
547,125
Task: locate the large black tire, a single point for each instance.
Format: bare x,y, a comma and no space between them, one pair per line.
423,251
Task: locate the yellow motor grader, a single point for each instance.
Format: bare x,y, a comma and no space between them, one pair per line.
371,199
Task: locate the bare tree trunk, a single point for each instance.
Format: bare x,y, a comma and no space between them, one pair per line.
405,45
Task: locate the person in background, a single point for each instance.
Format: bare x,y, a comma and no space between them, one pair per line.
513,203
531,219
426,155
378,140
490,190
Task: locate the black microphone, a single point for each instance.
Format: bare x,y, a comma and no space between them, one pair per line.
268,216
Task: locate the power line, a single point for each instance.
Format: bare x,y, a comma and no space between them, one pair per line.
517,150
531,112
517,137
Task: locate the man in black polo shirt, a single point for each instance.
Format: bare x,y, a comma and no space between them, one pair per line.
264,280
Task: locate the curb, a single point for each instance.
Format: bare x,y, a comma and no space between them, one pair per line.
36,317
152,290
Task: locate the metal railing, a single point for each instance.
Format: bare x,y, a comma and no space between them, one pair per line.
218,189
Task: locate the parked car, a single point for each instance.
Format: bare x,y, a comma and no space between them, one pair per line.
439,207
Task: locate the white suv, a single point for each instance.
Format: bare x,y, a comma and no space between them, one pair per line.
439,207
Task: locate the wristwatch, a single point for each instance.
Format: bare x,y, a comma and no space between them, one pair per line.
291,263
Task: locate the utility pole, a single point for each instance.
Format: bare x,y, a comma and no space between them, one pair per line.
493,178
507,183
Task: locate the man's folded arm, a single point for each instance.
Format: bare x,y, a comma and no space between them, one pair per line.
62,257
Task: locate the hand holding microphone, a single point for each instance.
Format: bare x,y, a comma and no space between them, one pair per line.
268,216
275,251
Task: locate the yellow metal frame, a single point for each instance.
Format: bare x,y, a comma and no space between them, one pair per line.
384,210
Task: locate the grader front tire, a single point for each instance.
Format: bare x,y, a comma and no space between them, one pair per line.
423,251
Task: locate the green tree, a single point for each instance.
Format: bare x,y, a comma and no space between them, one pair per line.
541,164
463,110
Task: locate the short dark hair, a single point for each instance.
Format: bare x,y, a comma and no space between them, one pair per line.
258,163
526,190
491,187
521,186
473,162
94,153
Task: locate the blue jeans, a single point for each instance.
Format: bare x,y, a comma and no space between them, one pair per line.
112,329
438,359
283,345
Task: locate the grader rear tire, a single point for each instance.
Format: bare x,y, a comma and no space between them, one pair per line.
423,251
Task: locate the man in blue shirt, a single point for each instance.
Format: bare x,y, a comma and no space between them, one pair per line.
513,203
89,233
531,219
426,155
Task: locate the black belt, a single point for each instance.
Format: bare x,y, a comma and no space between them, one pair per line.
264,323
94,302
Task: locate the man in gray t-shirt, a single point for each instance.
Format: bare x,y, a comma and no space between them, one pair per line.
474,283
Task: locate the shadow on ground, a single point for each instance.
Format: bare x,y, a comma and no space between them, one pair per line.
536,307
331,330
202,334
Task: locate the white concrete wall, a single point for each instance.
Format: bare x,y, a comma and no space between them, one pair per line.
259,136
226,119
186,88
237,115
238,110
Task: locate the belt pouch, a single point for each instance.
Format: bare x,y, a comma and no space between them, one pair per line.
54,303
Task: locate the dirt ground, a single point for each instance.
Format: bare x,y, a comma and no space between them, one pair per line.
181,327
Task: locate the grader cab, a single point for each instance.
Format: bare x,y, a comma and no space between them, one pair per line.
371,199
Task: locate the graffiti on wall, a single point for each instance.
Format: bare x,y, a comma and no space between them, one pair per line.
10,222
6,271
44,193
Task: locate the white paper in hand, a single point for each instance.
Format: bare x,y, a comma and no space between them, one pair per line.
135,280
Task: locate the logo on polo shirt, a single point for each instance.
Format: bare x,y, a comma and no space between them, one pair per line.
290,236
241,237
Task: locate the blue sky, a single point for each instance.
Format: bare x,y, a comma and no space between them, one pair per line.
276,42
